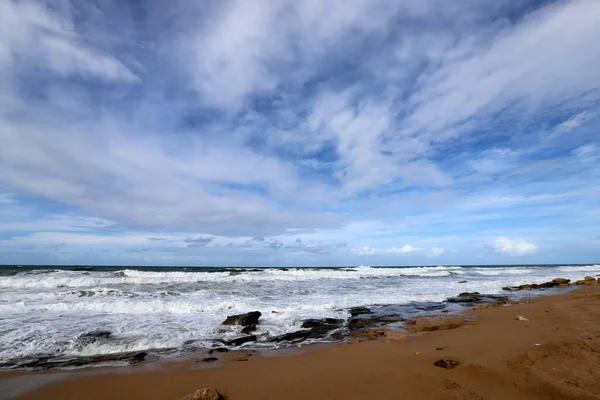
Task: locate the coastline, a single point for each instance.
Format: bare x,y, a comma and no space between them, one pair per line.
555,354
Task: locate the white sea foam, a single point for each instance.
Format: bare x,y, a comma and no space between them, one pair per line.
45,311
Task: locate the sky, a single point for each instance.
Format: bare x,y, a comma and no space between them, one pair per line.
299,133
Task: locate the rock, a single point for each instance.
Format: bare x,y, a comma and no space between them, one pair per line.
391,335
239,359
585,282
43,363
219,350
321,323
99,334
436,324
440,348
248,329
462,281
314,329
203,394
250,318
355,311
210,359
447,363
240,341
521,318
371,334
589,278
299,336
92,337
467,294
556,282
477,298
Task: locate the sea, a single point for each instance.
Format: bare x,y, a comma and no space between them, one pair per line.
45,309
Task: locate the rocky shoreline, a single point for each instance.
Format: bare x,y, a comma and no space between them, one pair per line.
392,322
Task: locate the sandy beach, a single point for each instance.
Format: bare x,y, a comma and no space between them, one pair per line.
553,354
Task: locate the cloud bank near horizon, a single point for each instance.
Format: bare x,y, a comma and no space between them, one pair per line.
299,133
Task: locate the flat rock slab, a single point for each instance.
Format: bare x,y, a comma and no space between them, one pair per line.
436,324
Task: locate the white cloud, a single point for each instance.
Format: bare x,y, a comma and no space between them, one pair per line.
589,153
574,122
436,252
45,38
522,64
404,249
364,251
513,247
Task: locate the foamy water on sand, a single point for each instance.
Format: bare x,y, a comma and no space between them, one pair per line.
45,310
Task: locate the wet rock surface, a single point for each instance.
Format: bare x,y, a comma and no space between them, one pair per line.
240,341
93,337
556,282
322,323
248,329
43,363
447,363
250,318
473,298
219,350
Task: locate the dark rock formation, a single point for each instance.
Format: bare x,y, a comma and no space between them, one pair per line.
329,323
240,341
477,298
248,329
92,337
250,318
219,350
47,362
210,359
556,282
355,311
447,363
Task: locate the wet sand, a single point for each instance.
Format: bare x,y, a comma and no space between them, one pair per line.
554,355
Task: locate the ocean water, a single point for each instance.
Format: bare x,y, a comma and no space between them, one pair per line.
45,310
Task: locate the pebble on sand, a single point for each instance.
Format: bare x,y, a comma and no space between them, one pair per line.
203,394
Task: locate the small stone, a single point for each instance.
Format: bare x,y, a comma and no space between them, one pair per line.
440,348
210,359
462,282
203,394
521,318
447,363
239,359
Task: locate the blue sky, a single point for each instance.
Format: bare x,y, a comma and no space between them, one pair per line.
280,132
